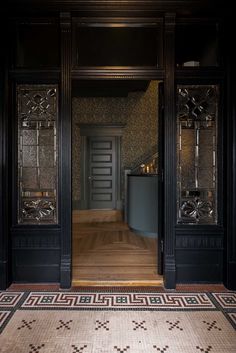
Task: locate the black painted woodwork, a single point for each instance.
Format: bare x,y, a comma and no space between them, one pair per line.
30,244
107,88
191,254
5,271
65,153
199,253
197,40
161,191
36,254
117,45
169,213
230,209
121,8
36,43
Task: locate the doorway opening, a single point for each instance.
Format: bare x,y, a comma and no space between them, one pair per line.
115,136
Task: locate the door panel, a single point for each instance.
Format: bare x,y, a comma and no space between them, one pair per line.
101,172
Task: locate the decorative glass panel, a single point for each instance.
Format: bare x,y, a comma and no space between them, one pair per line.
197,110
37,153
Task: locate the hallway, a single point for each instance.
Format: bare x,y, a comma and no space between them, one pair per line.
109,253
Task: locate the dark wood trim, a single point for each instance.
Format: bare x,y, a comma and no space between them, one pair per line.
169,154
230,243
65,151
120,7
4,169
160,196
203,74
39,76
30,20
101,129
123,73
143,22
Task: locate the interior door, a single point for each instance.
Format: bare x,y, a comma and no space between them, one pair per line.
101,172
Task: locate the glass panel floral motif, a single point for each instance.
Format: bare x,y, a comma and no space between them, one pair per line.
37,153
197,112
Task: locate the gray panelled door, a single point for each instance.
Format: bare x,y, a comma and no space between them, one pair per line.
101,172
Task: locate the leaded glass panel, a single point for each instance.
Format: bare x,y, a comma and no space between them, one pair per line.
37,153
197,111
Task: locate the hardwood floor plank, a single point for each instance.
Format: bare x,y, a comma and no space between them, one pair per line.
109,251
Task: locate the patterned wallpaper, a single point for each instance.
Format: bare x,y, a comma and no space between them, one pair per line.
138,111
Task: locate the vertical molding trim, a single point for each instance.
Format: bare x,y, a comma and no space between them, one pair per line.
4,166
230,243
65,151
169,153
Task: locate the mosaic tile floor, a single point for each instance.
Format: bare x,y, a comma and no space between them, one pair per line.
110,321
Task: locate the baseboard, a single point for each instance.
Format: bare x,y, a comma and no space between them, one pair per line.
230,282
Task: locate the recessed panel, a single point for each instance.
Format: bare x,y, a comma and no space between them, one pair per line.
102,171
101,145
102,158
118,45
37,45
102,184
197,45
101,197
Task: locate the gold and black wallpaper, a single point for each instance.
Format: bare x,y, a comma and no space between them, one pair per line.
138,111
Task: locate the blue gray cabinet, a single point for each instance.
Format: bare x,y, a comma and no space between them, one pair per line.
143,203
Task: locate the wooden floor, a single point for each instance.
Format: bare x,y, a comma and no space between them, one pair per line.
108,253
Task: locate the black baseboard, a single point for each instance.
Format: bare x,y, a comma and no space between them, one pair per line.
36,265
230,281
4,275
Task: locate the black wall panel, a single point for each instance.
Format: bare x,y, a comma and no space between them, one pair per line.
35,255
199,254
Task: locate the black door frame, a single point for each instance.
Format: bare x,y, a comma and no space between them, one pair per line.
65,171
168,76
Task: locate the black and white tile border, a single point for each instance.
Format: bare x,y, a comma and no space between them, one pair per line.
143,301
10,299
116,300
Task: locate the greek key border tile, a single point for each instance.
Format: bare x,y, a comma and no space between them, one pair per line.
10,299
4,316
233,318
119,301
226,300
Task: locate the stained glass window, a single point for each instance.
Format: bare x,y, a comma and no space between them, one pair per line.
197,111
37,153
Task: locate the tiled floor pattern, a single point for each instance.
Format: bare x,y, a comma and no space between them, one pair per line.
107,322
